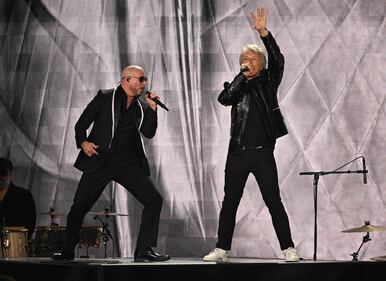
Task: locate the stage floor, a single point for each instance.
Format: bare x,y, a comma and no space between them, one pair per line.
116,269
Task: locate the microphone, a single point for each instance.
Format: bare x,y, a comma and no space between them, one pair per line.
157,101
364,170
244,68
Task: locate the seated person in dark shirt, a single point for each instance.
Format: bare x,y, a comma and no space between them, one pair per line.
17,206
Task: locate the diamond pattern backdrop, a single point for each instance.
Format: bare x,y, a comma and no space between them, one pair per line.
55,55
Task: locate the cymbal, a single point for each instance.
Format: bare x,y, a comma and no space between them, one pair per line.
107,213
379,258
52,214
366,228
15,228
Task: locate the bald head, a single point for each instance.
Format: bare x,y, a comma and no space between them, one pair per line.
133,80
131,70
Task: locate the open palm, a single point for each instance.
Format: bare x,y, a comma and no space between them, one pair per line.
259,19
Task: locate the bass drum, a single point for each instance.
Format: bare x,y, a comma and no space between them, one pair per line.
90,236
14,242
48,240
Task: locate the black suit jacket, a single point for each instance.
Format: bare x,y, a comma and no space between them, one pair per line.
103,112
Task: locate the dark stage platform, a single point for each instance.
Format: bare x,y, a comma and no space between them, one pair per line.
117,269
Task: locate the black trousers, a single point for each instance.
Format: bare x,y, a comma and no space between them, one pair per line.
261,163
135,180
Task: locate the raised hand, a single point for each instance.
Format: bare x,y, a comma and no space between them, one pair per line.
260,20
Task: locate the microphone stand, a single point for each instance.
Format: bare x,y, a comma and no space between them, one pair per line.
315,192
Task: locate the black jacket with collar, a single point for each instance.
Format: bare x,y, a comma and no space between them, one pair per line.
264,90
103,112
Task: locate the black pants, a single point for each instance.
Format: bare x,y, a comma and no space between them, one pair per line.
261,163
135,180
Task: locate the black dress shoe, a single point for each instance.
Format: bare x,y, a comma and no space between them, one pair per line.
150,256
158,255
63,256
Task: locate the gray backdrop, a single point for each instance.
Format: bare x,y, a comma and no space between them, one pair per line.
55,55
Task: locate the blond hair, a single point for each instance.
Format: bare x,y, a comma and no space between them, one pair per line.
257,50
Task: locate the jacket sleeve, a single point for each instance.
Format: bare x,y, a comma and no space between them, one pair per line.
231,93
150,122
275,60
86,118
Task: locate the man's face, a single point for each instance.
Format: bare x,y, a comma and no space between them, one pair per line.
136,81
5,179
252,61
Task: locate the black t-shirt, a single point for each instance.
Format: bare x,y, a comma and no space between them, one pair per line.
125,143
18,208
254,131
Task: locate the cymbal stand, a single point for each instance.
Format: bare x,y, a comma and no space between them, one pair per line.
5,243
106,234
52,217
365,239
315,192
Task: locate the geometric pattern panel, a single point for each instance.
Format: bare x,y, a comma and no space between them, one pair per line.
56,55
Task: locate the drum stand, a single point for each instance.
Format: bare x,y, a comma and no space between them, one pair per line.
5,243
365,239
106,234
52,217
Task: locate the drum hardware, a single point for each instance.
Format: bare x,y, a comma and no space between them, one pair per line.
14,242
90,236
366,228
106,234
48,240
379,258
52,215
5,243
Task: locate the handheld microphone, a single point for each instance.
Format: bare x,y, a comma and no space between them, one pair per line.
364,170
157,101
244,68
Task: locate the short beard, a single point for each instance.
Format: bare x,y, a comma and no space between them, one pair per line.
4,184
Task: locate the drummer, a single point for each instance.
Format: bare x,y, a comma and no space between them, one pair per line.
17,206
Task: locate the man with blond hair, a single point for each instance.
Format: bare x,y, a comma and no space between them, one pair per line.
256,124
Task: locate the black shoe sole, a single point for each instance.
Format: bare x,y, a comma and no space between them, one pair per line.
139,259
62,260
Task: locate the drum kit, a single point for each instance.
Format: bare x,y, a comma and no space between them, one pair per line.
49,239
46,240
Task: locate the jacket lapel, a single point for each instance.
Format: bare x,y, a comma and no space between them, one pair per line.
118,100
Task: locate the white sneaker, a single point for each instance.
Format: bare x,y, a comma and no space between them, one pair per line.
217,255
290,255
